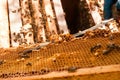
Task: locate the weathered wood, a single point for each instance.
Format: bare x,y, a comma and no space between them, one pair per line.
25,12
38,21
4,26
60,15
79,72
27,29
94,12
51,25
15,20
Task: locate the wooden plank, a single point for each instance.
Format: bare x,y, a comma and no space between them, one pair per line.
79,72
50,16
27,29
94,12
15,20
4,26
25,12
60,15
39,21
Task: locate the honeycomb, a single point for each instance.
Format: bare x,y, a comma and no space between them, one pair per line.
71,55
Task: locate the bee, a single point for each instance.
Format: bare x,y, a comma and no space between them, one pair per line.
38,47
24,56
14,11
111,46
72,69
95,47
105,52
25,52
29,64
15,40
19,9
26,3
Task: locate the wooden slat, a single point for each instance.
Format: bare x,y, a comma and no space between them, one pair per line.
50,16
15,20
60,16
79,72
4,29
26,20
94,12
38,19
25,12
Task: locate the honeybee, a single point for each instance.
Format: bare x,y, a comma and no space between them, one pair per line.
72,69
106,51
95,47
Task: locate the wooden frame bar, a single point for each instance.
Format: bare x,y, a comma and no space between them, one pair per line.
60,15
38,19
4,25
80,72
15,20
27,29
94,12
51,25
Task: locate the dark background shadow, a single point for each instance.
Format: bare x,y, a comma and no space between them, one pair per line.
77,15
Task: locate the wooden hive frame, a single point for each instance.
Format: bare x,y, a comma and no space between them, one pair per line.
4,25
23,25
94,11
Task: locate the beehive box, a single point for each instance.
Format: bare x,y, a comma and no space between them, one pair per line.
74,54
